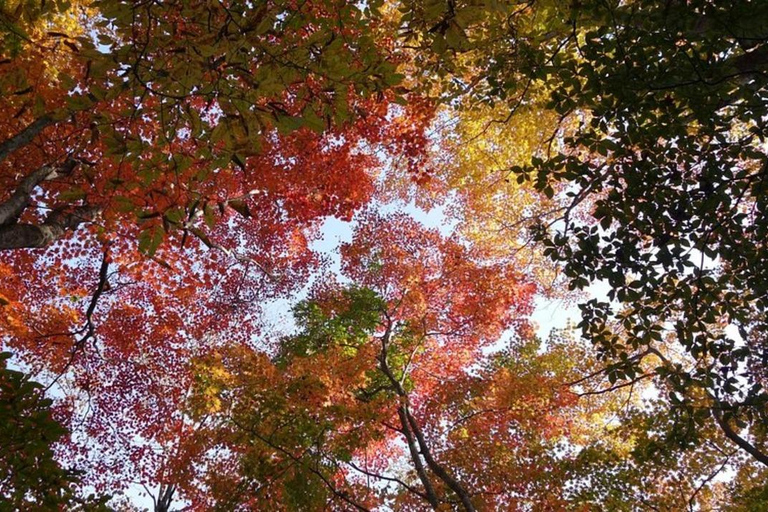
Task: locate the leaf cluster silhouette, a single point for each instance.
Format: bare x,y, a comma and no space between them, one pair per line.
174,328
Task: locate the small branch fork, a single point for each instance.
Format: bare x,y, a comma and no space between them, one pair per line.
417,443
88,330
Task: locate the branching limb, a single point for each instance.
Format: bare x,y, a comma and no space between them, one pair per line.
736,438
24,137
12,208
415,437
164,498
409,488
88,331
213,245
58,222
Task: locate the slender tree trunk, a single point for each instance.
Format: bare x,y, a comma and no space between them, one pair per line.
412,432
437,469
736,438
165,498
416,458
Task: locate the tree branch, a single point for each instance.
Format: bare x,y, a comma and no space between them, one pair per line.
414,436
164,498
14,206
25,136
25,236
436,468
736,438
431,495
410,488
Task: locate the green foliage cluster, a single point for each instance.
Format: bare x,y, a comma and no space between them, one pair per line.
349,325
30,476
29,473
666,158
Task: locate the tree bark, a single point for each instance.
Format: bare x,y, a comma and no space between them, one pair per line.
736,438
437,469
411,430
165,498
12,208
429,490
25,136
29,236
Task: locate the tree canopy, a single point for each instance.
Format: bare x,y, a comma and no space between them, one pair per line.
222,286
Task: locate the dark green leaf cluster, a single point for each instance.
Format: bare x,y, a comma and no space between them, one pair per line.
30,476
669,161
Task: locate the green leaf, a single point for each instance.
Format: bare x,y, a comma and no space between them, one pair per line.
209,215
150,239
73,194
288,124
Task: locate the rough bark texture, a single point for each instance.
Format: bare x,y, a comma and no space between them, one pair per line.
16,235
12,208
28,236
24,137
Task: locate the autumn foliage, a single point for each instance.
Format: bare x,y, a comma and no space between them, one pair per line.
223,287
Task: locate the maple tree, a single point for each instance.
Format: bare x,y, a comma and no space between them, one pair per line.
122,135
165,168
234,192
380,371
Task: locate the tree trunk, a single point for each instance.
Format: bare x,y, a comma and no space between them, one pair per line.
29,236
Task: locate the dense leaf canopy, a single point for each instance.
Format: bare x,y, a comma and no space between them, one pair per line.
220,261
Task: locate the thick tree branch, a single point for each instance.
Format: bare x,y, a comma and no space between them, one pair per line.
25,136
12,208
436,468
164,498
414,435
736,438
429,489
26,236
